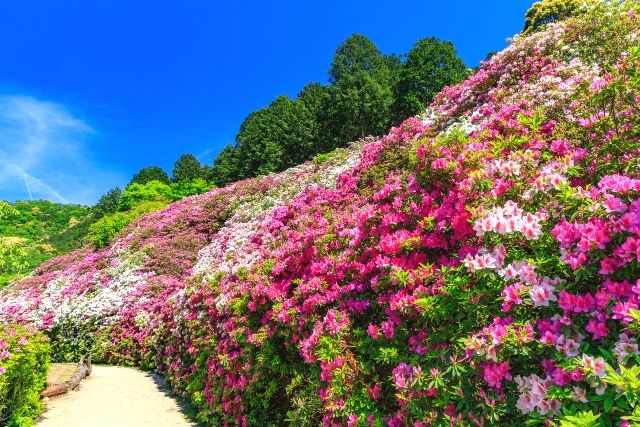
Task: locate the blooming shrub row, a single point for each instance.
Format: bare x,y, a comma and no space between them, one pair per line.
24,363
478,265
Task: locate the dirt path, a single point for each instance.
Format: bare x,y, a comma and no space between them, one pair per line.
116,397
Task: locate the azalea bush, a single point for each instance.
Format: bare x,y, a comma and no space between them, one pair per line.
24,363
478,265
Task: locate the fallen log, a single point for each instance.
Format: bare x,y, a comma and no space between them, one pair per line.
83,370
55,390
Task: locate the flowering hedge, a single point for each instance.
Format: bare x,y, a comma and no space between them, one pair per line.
24,362
479,265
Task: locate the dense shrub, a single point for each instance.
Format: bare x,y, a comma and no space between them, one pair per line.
24,363
478,265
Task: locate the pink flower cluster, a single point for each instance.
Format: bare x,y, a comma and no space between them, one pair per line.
495,373
541,290
533,395
503,167
489,339
510,219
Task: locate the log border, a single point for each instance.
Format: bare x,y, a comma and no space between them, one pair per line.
83,370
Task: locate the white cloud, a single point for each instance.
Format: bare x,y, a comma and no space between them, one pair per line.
42,149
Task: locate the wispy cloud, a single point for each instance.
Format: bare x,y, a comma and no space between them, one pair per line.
42,151
207,156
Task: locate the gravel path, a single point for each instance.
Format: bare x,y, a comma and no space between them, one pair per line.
114,396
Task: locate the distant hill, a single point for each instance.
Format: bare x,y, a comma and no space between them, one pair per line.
33,231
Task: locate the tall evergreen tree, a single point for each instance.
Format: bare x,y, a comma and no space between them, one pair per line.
431,64
150,173
360,106
276,137
296,130
107,204
317,99
187,168
361,95
226,166
259,152
208,174
357,53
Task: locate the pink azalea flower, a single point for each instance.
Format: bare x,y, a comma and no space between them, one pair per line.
597,366
388,329
373,331
597,329
494,373
541,295
579,395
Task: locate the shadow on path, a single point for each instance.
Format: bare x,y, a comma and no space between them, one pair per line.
115,396
186,407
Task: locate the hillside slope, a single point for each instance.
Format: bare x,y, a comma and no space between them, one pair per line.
476,266
34,231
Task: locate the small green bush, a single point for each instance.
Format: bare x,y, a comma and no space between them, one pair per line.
24,363
101,232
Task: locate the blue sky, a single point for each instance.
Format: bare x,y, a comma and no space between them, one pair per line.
91,91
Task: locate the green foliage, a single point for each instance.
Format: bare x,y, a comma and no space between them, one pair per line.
317,99
276,137
207,173
627,385
14,257
360,106
186,168
101,231
24,377
135,194
583,419
150,173
6,209
308,405
431,65
547,11
107,204
367,92
180,190
32,232
297,129
32,220
258,155
357,53
226,166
